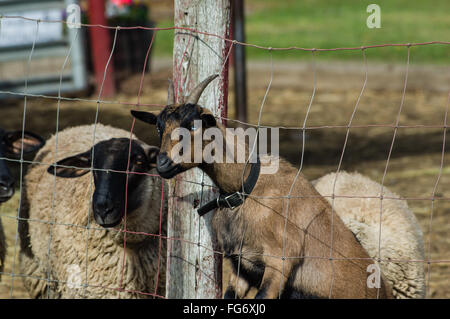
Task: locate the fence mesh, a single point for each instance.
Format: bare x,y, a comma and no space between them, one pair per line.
49,276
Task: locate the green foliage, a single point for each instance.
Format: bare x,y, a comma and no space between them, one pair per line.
163,45
342,23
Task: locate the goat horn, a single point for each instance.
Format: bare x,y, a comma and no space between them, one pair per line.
198,90
170,94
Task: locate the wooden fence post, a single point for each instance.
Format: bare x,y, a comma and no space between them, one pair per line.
194,268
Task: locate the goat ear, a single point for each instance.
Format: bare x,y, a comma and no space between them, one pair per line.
152,152
146,117
29,142
79,163
208,119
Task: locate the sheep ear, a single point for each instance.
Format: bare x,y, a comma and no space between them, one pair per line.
29,142
146,117
79,165
152,152
208,119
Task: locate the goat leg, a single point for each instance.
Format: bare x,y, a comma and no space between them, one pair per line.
274,280
238,287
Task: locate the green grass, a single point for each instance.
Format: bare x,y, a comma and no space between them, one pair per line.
341,23
163,45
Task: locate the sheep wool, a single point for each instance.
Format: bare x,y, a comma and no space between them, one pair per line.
64,253
401,247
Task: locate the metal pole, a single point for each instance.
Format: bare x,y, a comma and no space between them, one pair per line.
194,266
77,60
101,47
240,77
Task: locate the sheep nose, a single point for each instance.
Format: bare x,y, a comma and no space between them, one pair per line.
6,182
6,186
103,207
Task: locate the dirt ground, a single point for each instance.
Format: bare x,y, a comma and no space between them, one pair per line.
413,167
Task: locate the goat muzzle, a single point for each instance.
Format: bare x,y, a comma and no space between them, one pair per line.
166,167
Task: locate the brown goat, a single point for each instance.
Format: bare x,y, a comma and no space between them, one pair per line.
285,247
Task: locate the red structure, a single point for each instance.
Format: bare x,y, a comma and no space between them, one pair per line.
100,48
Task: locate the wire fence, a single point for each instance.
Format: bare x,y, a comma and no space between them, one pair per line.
49,274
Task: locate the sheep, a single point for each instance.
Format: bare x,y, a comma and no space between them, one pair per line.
64,252
401,236
308,253
13,143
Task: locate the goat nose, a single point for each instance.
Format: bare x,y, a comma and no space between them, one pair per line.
163,161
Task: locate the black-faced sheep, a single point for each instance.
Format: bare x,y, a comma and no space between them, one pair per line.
302,251
65,253
11,144
357,202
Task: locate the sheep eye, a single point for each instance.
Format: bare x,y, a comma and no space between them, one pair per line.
139,160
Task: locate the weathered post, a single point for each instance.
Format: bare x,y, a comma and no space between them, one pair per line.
194,268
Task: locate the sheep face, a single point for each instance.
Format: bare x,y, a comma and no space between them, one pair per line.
110,162
172,159
13,143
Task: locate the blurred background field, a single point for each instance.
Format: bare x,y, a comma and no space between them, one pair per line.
333,24
416,158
